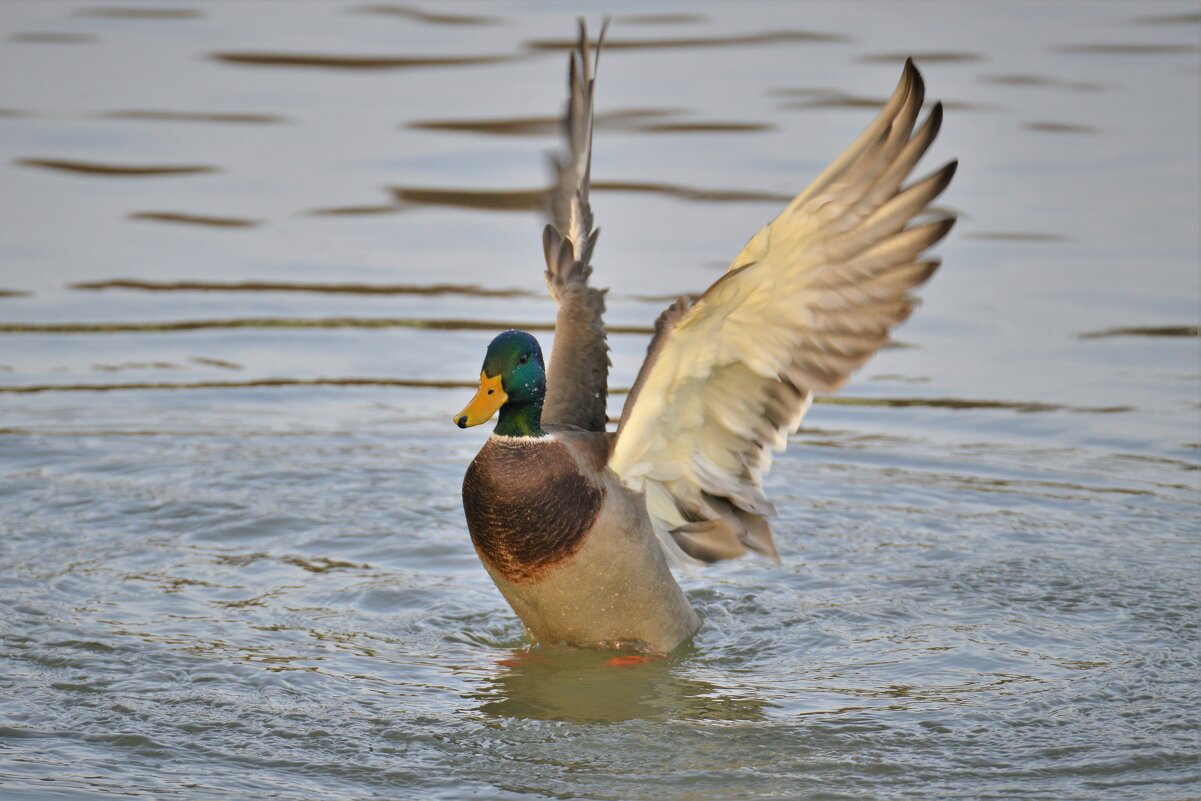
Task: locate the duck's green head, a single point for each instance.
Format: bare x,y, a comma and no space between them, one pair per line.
512,380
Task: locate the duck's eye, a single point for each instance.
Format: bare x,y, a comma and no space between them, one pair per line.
524,358
491,391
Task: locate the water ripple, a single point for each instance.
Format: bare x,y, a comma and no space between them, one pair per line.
1145,331
352,62
158,115
469,290
431,324
1028,80
1128,48
417,15
183,218
1188,18
115,170
930,56
52,38
138,13
764,38
1058,127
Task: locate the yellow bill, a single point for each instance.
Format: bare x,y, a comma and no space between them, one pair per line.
487,400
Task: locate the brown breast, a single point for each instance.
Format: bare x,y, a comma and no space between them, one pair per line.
528,505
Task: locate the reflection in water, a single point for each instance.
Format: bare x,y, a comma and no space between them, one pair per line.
158,115
767,37
203,361
325,288
630,119
1127,48
929,56
1015,236
193,116
418,15
966,403
836,99
432,324
714,126
584,686
1193,18
52,38
208,361
318,564
139,13
1058,127
355,211
689,193
898,377
1145,331
120,170
31,389
319,61
535,199
659,19
117,368
488,199
467,290
826,98
193,219
1026,80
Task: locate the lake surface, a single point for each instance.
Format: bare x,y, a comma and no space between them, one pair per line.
251,255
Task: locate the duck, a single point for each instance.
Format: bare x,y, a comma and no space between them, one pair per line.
579,526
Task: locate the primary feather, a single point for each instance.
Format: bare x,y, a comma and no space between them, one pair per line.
577,380
811,297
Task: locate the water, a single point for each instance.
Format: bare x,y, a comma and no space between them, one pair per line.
252,254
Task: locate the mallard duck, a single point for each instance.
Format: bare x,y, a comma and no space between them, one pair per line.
575,524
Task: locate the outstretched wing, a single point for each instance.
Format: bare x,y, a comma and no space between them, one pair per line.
577,379
810,298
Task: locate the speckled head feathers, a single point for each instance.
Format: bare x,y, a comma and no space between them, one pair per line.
517,358
513,380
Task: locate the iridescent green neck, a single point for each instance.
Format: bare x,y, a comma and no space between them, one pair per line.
520,420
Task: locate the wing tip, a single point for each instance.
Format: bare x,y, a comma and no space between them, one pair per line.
917,82
583,45
928,268
940,228
925,135
944,175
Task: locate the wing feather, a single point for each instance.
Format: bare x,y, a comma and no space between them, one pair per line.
578,373
810,299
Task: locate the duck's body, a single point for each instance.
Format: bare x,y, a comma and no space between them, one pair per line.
572,522
569,546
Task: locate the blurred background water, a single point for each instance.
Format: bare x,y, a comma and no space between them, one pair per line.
251,254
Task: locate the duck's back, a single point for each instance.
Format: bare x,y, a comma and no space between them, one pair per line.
569,547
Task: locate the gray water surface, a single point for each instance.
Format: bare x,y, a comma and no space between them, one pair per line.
251,254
